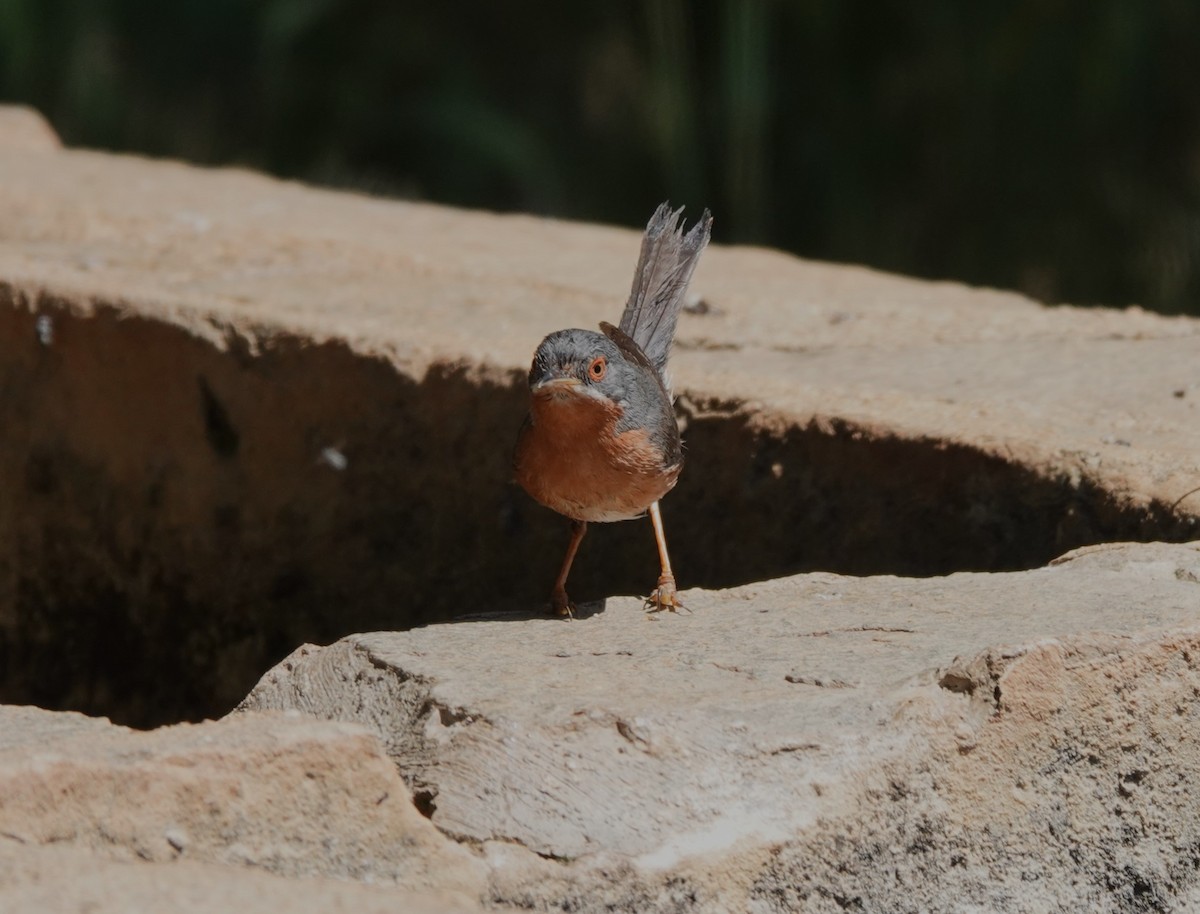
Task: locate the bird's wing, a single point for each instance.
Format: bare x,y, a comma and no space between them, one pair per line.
629,348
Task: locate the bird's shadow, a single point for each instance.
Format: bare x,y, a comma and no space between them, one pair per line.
584,610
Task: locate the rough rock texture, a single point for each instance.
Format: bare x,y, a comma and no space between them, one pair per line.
241,414
986,742
294,797
52,880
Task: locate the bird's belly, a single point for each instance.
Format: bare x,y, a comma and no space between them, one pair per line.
570,459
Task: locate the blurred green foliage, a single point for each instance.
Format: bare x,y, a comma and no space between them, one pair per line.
1046,145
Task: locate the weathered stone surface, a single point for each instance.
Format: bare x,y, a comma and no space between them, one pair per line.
979,742
241,414
294,797
53,880
221,252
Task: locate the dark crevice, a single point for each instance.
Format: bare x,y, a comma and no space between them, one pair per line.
218,428
181,516
424,800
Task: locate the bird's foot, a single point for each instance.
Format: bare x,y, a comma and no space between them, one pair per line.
664,597
560,604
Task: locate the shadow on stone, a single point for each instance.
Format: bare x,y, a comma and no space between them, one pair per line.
179,515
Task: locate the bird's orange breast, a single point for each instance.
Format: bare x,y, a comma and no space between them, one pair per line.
571,459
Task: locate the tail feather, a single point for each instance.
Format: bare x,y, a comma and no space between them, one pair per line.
664,268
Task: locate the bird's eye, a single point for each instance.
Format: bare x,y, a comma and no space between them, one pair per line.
598,369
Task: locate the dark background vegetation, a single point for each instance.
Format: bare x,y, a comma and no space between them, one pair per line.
1045,145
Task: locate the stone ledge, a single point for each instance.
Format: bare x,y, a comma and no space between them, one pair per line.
294,797
241,414
230,255
233,403
48,879
974,736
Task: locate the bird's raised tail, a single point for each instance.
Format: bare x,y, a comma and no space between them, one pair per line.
665,267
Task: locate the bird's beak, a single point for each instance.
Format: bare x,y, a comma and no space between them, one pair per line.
556,382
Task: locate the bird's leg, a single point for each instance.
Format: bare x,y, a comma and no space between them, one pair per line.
664,596
560,603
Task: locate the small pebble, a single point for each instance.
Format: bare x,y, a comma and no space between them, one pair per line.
44,327
334,458
176,838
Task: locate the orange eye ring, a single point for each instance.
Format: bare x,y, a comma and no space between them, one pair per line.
598,368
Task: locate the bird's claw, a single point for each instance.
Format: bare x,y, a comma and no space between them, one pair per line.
664,597
561,605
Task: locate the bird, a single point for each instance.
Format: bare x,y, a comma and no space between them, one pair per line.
600,442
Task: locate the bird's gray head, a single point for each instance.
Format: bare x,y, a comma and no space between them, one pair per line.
581,363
